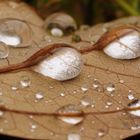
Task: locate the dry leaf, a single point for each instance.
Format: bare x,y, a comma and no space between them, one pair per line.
123,74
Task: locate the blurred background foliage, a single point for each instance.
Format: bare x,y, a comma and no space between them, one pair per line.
88,11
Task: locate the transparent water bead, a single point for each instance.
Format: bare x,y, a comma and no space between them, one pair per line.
84,89
39,95
135,127
110,87
25,82
133,104
70,109
64,64
86,101
4,50
101,133
97,86
14,87
73,136
15,33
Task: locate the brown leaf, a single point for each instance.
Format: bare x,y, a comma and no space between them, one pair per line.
96,66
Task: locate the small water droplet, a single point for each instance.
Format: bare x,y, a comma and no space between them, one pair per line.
101,133
121,81
84,89
109,103
133,104
135,127
97,86
57,32
25,82
62,94
39,95
130,97
73,136
14,87
110,88
33,127
70,109
4,50
86,101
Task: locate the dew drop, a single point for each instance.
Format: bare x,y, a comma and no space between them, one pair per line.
121,81
73,136
62,94
4,50
109,103
130,97
86,101
133,104
97,86
135,127
70,109
33,127
110,88
14,87
39,95
84,89
25,82
101,133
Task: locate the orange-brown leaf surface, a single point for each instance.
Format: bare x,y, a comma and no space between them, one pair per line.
124,74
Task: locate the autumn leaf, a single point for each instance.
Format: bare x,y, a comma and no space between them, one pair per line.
88,92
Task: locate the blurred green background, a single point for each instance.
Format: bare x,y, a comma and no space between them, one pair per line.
88,11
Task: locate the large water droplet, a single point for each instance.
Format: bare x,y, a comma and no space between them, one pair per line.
70,109
15,33
73,136
133,104
4,50
25,82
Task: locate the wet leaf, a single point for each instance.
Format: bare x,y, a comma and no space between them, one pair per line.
104,82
